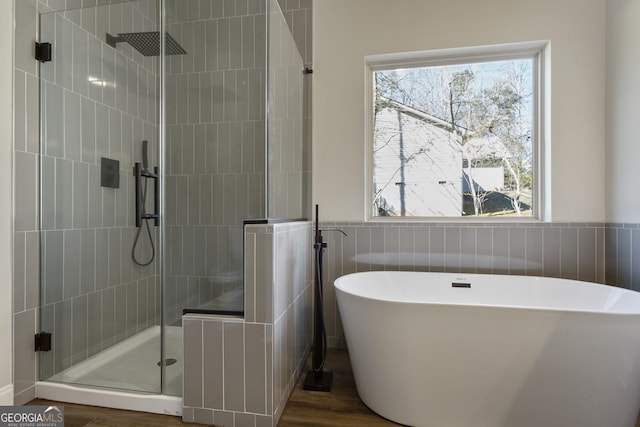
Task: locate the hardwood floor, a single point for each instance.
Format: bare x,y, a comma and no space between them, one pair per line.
81,415
341,407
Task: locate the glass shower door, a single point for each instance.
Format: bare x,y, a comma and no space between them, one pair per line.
100,284
215,150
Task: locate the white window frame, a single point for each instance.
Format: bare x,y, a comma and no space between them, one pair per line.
538,51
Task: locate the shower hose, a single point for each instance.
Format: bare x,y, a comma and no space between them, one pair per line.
146,223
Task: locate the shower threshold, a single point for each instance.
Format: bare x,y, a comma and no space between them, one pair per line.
124,376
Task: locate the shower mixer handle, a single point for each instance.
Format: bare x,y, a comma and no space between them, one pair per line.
141,174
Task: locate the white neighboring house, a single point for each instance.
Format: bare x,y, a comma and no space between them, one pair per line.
417,163
484,178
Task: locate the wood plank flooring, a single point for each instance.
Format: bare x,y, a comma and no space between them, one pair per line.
82,415
341,407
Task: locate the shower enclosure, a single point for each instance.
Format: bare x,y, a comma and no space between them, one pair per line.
165,125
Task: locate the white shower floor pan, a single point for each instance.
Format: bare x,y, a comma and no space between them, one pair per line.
125,376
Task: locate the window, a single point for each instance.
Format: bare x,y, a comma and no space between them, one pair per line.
456,135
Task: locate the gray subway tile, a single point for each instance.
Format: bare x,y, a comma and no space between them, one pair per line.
468,249
452,249
534,252
245,420
19,264
624,258
33,114
391,248
108,81
48,190
64,194
53,262
500,250
250,276
212,374
517,250
203,416
193,363
26,191
108,206
108,316
19,111
485,250
569,253
264,278
79,340
102,131
24,371
64,52
26,15
95,197
32,273
587,254
551,252
132,86
234,390
437,249
132,308
80,195
62,335
601,258
71,267
120,313
223,40
94,323
101,258
80,61
114,259
264,421
223,419
47,323
255,374
115,134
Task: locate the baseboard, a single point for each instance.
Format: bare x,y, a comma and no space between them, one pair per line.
6,395
25,396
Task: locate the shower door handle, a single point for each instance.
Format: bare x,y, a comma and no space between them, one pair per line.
141,174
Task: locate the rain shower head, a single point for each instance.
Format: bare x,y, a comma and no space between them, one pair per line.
147,43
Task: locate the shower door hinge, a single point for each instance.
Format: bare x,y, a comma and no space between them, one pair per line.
43,52
43,341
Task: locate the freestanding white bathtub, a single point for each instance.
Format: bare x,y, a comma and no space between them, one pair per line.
457,350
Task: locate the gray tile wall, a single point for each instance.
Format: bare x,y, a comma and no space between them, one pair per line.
622,244
215,145
568,250
101,105
240,372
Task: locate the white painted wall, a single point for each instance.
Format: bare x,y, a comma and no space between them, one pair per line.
623,111
6,155
345,31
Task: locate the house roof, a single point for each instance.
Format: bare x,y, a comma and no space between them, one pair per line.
474,148
421,115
